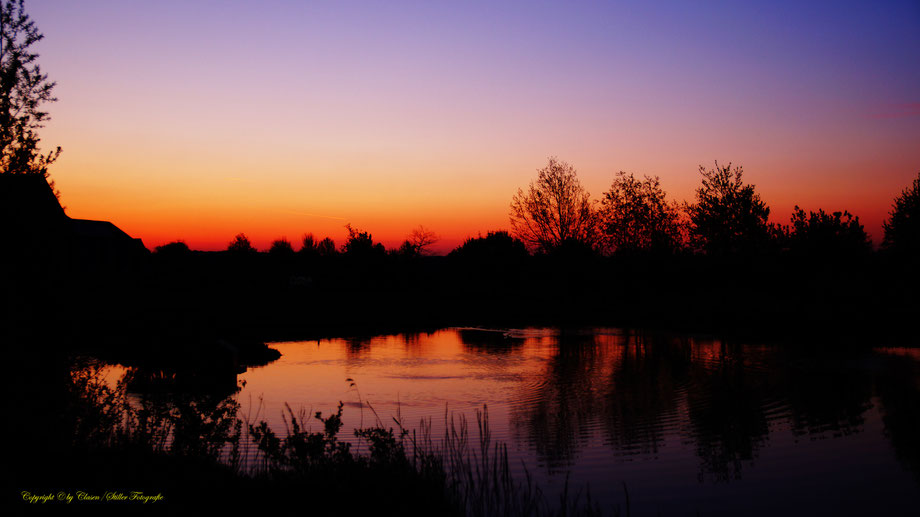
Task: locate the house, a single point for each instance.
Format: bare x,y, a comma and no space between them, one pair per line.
39,236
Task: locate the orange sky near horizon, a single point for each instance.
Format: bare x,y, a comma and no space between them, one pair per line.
199,121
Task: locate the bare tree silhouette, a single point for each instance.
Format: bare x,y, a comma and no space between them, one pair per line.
555,210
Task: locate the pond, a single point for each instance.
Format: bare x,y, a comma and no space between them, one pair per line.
682,424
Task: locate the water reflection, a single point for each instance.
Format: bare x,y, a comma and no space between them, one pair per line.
727,401
899,395
489,341
671,414
644,387
559,412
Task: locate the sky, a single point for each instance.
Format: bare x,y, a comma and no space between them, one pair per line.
198,120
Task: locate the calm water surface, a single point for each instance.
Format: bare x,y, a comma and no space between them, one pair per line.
688,424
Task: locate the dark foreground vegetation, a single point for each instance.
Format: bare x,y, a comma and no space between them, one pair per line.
192,452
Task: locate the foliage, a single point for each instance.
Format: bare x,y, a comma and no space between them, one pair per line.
361,244
240,245
820,233
23,91
636,216
555,210
902,229
728,216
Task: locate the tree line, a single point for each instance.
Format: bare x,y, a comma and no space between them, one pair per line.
556,215
726,217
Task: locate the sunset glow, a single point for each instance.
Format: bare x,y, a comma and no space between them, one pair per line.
198,121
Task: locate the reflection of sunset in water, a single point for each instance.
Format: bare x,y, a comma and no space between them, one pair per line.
699,419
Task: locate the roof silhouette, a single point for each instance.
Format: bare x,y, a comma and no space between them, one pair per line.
34,220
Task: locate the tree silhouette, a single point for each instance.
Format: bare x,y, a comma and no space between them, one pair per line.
636,216
418,243
422,239
241,245
902,229
23,90
326,247
361,244
281,248
820,233
728,216
555,210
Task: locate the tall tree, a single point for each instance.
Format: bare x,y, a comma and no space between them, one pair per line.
23,91
636,216
902,229
554,211
728,216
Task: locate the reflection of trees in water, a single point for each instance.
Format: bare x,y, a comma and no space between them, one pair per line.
725,407
356,347
643,392
566,400
637,388
489,341
626,386
827,393
899,393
